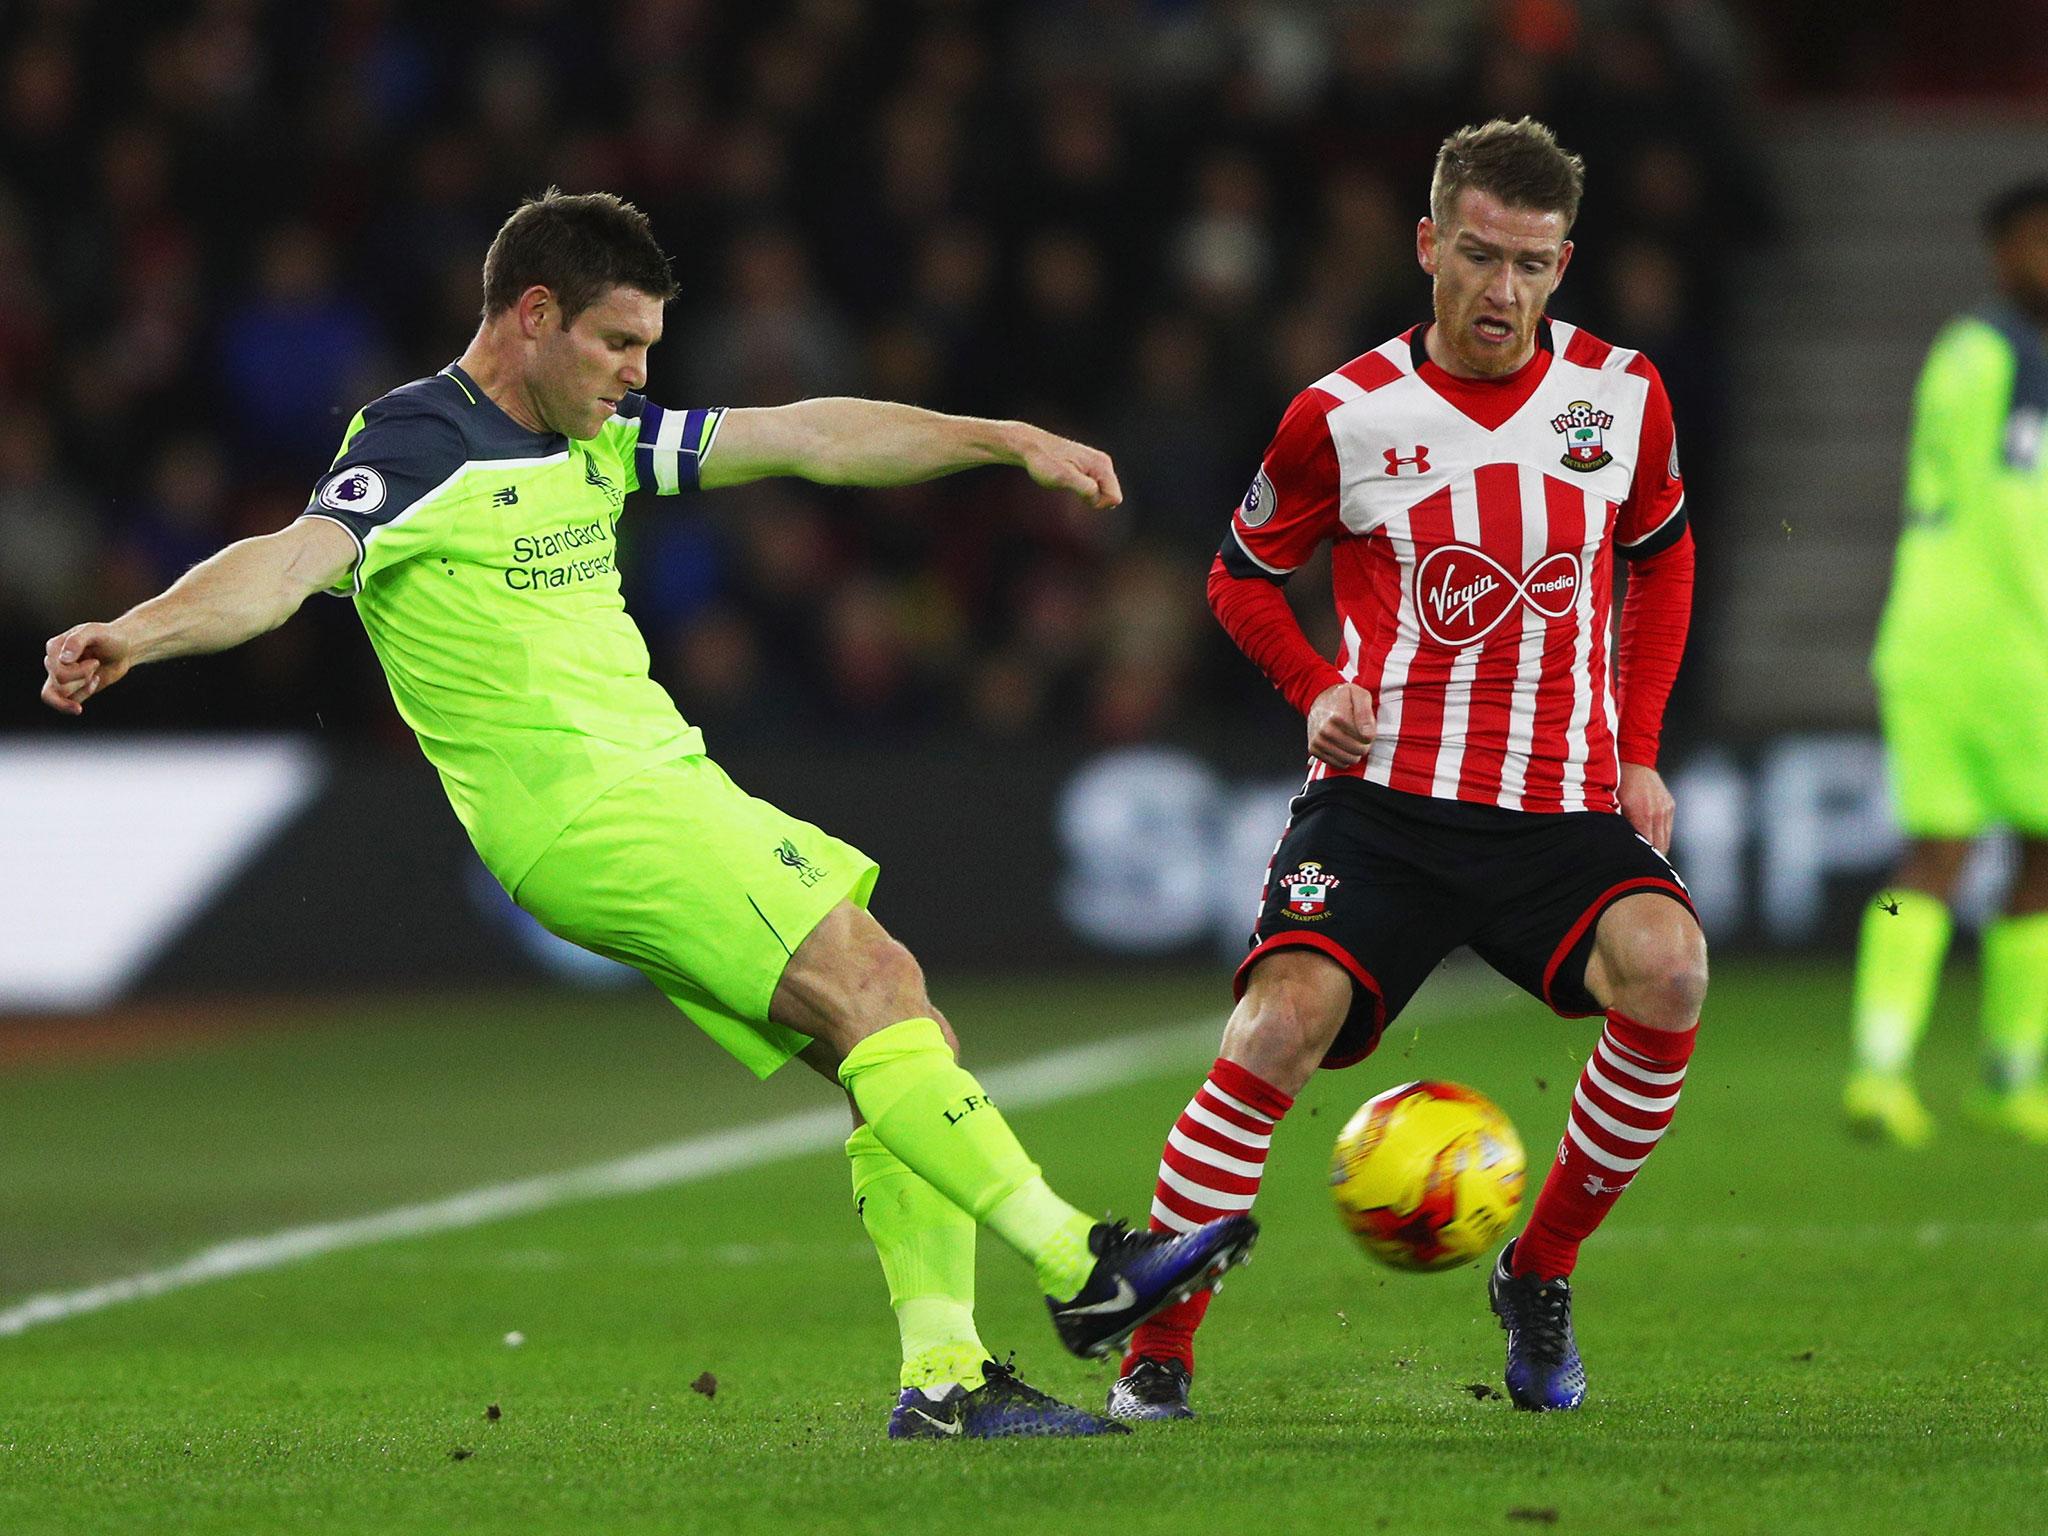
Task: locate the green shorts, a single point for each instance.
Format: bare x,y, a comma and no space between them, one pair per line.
704,890
1965,760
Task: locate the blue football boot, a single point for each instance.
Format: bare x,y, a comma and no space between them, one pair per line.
1001,1408
1138,1273
1544,1369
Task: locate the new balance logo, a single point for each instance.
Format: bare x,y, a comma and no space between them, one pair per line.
1419,458
1595,1185
507,496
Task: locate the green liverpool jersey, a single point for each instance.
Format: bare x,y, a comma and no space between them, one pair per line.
1969,601
487,579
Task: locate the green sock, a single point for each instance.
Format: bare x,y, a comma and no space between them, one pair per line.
926,1243
1898,962
2015,1000
928,1110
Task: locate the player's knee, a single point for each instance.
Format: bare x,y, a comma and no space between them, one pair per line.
848,980
1664,981
893,976
1293,1007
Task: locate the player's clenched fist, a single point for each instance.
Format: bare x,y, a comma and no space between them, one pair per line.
1060,464
80,663
1340,725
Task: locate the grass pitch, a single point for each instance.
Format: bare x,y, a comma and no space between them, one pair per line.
1785,1331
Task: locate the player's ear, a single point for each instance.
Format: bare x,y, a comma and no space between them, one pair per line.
1564,259
1425,244
534,308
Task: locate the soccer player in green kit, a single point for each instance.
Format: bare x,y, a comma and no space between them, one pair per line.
1962,675
472,515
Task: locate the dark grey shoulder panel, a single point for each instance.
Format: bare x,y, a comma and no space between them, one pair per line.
410,443
488,431
2030,374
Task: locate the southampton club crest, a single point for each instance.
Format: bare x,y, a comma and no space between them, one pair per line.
1585,443
1308,891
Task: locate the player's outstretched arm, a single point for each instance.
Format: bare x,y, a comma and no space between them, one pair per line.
839,441
246,590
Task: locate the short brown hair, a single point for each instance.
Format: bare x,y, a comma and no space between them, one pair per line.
1520,163
576,246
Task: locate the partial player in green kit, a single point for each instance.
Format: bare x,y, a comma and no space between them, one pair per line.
1962,676
473,517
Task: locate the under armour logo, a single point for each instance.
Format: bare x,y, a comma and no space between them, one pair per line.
1420,459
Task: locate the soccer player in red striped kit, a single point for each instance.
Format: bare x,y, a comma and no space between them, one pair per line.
1473,778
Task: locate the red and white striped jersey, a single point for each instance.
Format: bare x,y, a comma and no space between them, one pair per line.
1473,525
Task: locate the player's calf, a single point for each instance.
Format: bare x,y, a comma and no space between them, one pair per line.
1649,952
1626,1096
933,1116
1214,1160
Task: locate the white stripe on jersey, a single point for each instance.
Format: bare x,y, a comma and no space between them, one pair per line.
1336,384
1607,679
1450,751
1399,531
1521,732
1573,787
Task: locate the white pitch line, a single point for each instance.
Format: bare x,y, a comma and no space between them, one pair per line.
1047,1079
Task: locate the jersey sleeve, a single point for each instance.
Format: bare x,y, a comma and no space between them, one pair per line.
670,445
398,459
1958,410
1292,504
1652,519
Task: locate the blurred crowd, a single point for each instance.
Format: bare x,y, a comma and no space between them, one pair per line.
225,226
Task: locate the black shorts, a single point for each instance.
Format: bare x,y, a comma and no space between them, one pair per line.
1387,884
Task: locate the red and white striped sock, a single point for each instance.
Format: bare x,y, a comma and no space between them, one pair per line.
1625,1099
1215,1156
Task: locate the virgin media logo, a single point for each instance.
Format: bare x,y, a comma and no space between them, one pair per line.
1462,594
